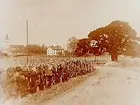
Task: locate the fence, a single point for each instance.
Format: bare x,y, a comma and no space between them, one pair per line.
129,62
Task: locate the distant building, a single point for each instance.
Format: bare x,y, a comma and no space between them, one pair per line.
5,49
12,50
54,50
16,50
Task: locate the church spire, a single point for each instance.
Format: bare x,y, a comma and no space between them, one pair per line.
6,44
6,38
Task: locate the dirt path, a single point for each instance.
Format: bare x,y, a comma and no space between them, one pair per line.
111,86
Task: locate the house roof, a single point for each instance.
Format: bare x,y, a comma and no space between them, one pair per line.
56,47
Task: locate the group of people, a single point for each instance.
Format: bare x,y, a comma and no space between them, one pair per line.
21,81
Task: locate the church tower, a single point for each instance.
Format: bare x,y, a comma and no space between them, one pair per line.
6,44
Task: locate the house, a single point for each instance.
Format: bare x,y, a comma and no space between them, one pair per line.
54,50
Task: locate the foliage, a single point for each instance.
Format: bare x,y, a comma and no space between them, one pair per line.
82,47
35,49
67,53
72,43
117,38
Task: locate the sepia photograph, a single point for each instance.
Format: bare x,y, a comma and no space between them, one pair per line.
69,52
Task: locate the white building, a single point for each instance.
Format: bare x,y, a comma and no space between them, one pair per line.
54,50
6,45
12,50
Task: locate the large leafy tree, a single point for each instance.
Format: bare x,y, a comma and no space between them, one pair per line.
98,41
82,47
117,38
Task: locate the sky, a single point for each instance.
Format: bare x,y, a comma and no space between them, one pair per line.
54,21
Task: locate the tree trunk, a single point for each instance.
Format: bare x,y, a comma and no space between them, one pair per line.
114,57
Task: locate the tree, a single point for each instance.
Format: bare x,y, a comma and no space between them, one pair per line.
34,49
82,47
44,49
67,53
117,38
72,43
86,47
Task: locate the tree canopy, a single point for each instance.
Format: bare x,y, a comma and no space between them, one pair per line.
72,44
117,38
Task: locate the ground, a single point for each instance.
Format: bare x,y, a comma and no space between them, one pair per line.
110,86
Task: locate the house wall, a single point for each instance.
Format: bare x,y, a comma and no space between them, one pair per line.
53,52
50,51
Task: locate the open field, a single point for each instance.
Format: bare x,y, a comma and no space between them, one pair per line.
35,60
